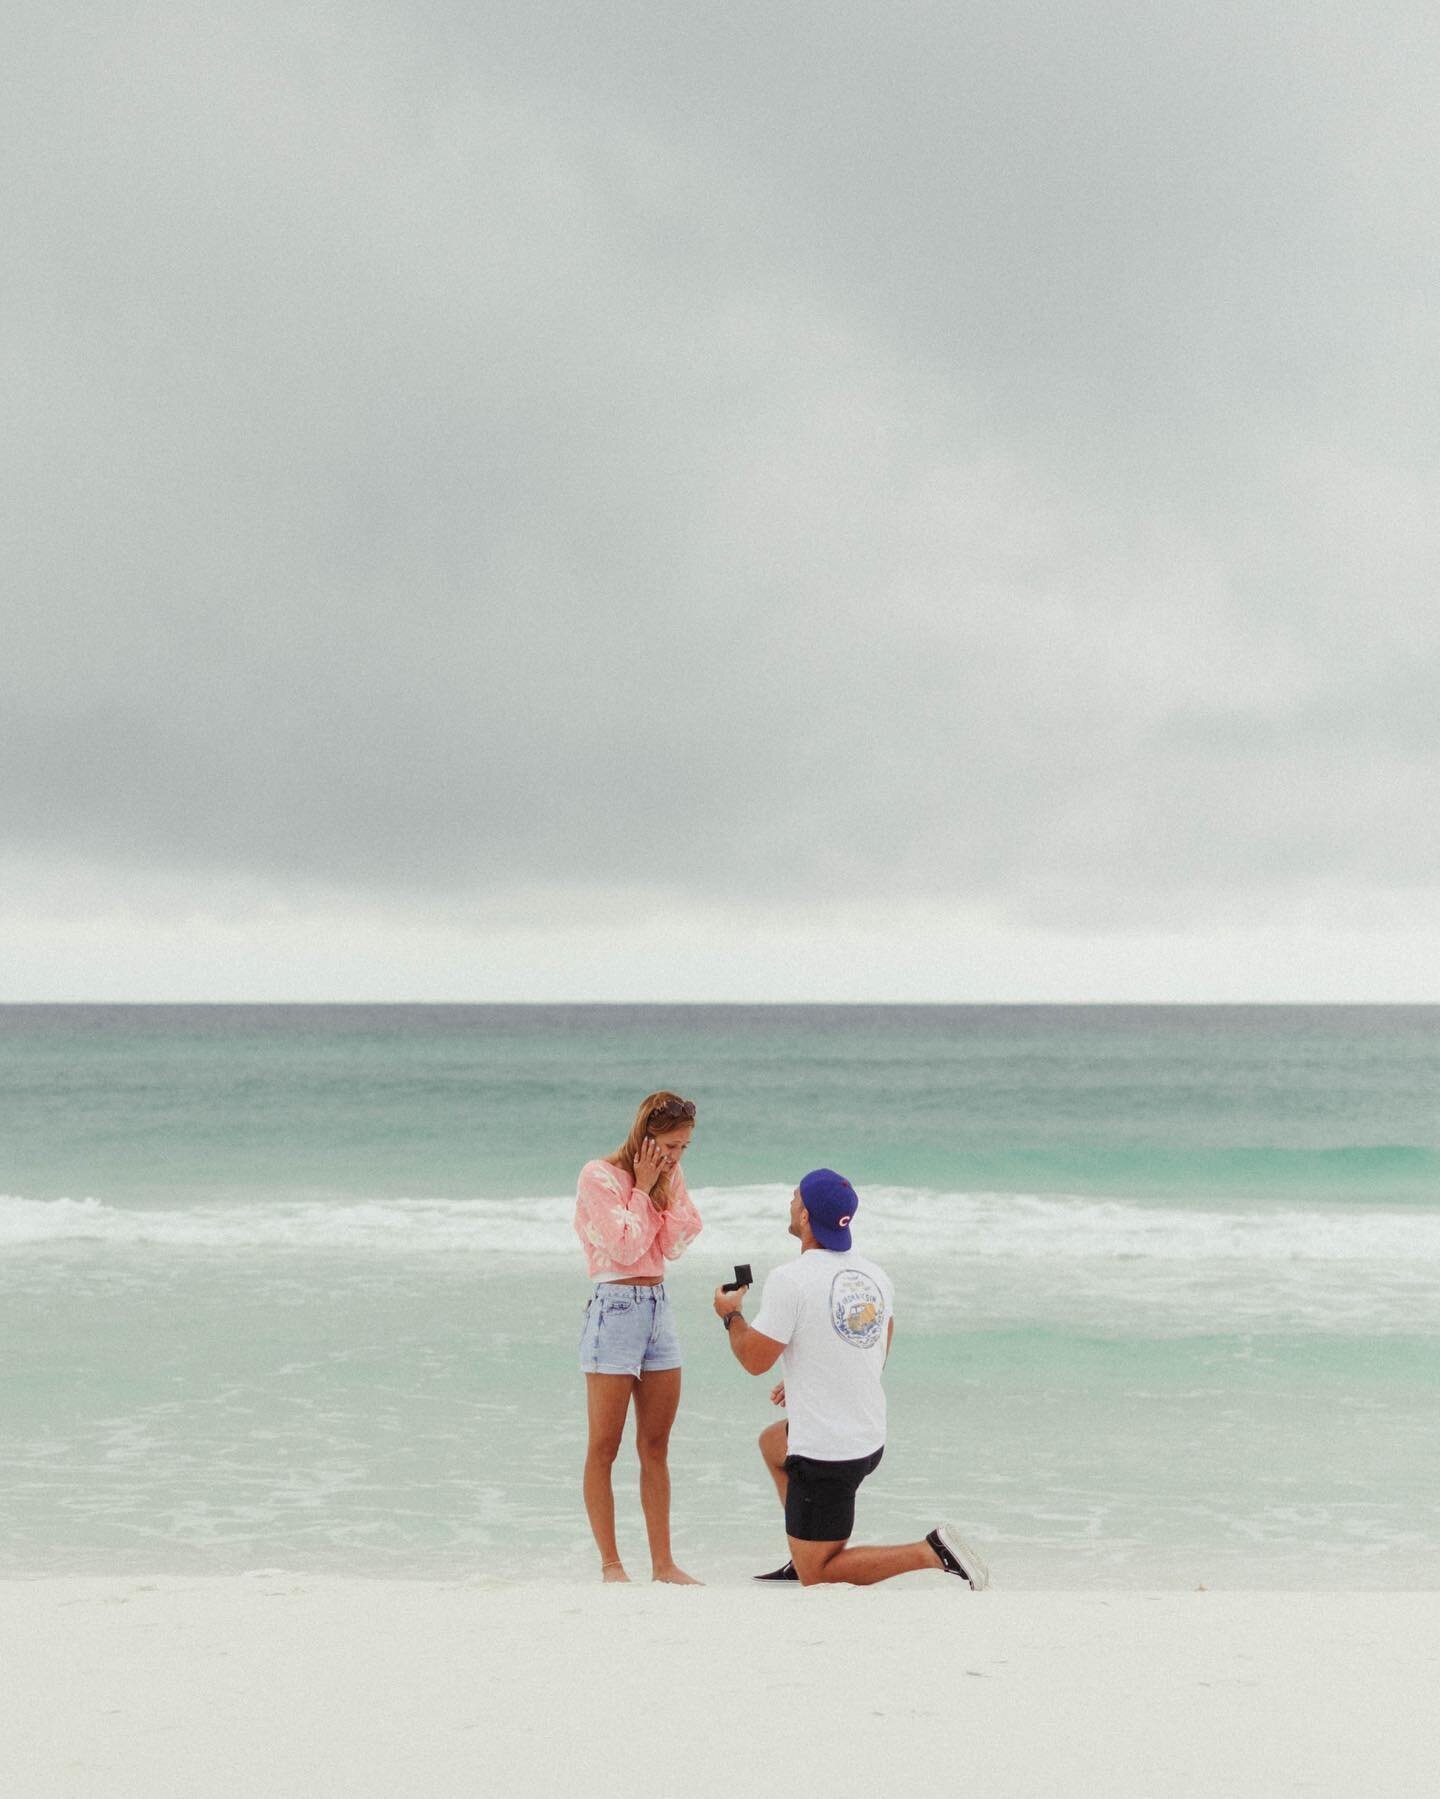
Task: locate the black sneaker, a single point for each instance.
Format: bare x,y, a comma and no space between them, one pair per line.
957,1557
785,1573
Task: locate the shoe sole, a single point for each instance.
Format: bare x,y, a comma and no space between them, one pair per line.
972,1566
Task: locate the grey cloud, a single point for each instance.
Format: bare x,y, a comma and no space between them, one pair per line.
768,453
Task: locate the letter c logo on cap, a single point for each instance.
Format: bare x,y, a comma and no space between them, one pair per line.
842,1222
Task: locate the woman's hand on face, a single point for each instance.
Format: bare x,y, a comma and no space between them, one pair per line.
650,1163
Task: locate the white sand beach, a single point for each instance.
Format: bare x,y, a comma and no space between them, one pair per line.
304,1687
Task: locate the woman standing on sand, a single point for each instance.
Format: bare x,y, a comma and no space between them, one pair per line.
632,1215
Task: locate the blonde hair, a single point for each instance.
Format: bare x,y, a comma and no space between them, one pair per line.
664,1102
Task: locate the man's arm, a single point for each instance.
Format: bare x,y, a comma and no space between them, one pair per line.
752,1349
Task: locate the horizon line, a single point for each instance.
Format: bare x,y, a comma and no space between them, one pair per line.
731,1004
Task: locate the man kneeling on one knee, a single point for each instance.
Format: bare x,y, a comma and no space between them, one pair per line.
831,1315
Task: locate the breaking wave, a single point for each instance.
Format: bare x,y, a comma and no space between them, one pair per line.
895,1221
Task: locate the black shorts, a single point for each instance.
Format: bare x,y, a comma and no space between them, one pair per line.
820,1499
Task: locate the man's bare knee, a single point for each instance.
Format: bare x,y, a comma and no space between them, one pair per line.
603,1450
815,1576
812,1561
773,1444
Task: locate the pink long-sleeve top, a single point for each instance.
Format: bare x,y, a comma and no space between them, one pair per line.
624,1237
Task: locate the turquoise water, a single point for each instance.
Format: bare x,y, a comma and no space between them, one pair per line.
296,1286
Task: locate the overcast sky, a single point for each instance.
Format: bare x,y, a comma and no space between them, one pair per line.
512,500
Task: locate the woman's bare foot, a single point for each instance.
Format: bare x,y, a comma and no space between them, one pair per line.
676,1577
613,1571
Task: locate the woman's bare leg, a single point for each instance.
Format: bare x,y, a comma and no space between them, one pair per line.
607,1399
656,1399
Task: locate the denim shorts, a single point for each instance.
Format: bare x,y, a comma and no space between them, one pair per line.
628,1330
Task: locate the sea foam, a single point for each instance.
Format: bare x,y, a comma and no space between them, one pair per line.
894,1221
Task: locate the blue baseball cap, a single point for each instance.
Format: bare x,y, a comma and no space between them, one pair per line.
831,1202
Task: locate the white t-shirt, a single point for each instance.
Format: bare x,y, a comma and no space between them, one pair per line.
831,1308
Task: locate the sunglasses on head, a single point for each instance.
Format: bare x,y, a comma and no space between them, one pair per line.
674,1108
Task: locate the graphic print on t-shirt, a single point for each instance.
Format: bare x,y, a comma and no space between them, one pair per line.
857,1308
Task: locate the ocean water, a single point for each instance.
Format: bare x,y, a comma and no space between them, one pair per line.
297,1287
